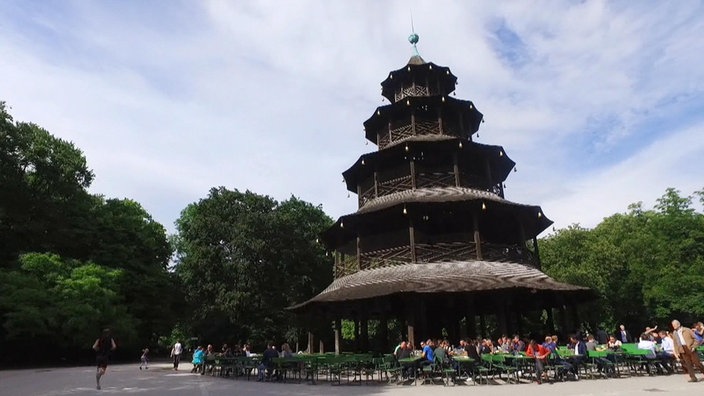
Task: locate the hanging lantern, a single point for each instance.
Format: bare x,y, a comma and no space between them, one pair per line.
391,76
405,211
483,206
362,161
408,102
378,112
501,153
460,144
443,99
407,147
448,72
540,214
408,68
342,225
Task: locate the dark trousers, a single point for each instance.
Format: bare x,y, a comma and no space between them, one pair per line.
177,359
690,361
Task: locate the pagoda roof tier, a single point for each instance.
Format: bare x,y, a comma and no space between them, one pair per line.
426,74
428,107
426,146
458,203
475,277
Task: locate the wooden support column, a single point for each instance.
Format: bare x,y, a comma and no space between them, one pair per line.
383,334
471,325
412,165
550,319
501,317
456,169
482,324
311,339
357,335
359,195
364,333
440,123
412,239
390,136
410,316
376,184
338,333
538,264
413,123
359,254
477,236
322,347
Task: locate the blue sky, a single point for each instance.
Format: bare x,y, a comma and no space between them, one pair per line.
599,103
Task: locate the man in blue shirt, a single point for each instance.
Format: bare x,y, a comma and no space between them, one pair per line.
428,351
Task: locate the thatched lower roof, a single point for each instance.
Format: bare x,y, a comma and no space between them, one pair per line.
444,277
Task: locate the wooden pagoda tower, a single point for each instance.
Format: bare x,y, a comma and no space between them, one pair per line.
434,241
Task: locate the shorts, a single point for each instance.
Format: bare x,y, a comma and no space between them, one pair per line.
102,361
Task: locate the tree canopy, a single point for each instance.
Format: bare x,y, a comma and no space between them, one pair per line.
73,262
646,265
243,258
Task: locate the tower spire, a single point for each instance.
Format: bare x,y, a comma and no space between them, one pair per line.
413,38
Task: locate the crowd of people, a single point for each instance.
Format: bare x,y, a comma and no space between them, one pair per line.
662,349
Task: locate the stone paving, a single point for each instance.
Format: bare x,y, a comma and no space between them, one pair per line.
161,380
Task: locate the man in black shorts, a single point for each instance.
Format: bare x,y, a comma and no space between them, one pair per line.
103,346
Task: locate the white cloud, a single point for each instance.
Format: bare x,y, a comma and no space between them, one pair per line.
171,100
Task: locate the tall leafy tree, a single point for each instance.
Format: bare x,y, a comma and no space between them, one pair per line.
646,265
58,305
244,257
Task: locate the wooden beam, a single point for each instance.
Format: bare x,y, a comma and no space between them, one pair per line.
456,168
338,332
412,239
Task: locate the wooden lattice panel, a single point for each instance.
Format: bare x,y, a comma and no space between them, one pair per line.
436,179
413,90
448,251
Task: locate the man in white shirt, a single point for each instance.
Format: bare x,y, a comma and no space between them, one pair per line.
176,352
667,351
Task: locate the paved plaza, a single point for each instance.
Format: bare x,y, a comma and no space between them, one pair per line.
160,380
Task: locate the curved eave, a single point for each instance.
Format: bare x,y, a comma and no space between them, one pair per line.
450,199
366,164
383,114
420,71
445,278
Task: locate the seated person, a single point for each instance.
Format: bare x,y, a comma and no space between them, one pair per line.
540,354
647,344
517,345
266,368
428,354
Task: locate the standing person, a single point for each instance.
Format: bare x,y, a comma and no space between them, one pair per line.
623,335
685,343
144,359
103,346
176,352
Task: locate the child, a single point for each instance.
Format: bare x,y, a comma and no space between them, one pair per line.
144,359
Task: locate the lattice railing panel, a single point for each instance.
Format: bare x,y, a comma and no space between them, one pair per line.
366,196
395,185
346,265
427,127
386,257
446,251
413,90
512,253
402,132
437,179
383,139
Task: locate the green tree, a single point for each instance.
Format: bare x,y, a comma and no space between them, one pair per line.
43,196
60,305
645,265
243,258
